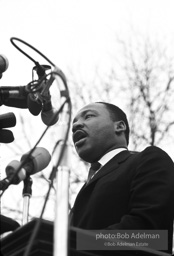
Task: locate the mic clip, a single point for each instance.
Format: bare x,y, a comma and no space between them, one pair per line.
40,69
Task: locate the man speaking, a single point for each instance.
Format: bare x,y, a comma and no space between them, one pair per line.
125,190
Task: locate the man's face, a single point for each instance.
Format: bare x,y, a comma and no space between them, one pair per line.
93,132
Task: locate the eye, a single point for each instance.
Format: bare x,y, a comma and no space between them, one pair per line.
88,116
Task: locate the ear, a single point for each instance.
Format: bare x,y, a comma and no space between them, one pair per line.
120,126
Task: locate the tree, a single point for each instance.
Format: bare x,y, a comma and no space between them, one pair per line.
148,70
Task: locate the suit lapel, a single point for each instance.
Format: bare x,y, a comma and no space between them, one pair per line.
112,165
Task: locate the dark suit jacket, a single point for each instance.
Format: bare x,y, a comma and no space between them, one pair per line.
132,191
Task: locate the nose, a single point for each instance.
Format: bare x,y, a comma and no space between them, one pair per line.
77,125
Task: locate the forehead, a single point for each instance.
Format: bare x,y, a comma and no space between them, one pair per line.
94,107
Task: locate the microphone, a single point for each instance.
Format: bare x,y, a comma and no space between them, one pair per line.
13,96
6,136
42,97
48,114
7,120
34,105
39,160
3,64
21,97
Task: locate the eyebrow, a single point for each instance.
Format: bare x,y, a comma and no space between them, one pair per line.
83,113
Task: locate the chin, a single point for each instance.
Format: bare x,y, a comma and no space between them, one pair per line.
85,155
88,158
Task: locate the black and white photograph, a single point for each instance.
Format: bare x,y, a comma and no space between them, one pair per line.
87,128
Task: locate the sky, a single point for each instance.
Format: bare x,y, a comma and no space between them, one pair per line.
75,34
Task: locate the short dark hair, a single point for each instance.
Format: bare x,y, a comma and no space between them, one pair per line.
116,113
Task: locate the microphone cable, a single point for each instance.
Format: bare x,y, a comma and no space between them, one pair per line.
12,39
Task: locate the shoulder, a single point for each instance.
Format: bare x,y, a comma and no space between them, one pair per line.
153,166
154,151
153,157
155,160
151,151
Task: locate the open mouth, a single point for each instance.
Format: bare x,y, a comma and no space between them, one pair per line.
79,137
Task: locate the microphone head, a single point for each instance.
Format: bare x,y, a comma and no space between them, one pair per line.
33,106
3,63
7,120
6,136
40,159
10,170
49,117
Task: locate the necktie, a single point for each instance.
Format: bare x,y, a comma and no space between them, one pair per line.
94,167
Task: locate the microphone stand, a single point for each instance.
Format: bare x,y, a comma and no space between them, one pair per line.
27,192
62,197
61,209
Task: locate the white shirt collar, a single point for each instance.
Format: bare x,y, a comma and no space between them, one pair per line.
108,156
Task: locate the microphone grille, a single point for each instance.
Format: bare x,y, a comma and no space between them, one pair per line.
40,158
49,117
11,168
3,63
7,120
33,106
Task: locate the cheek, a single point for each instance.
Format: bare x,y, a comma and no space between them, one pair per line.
102,135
